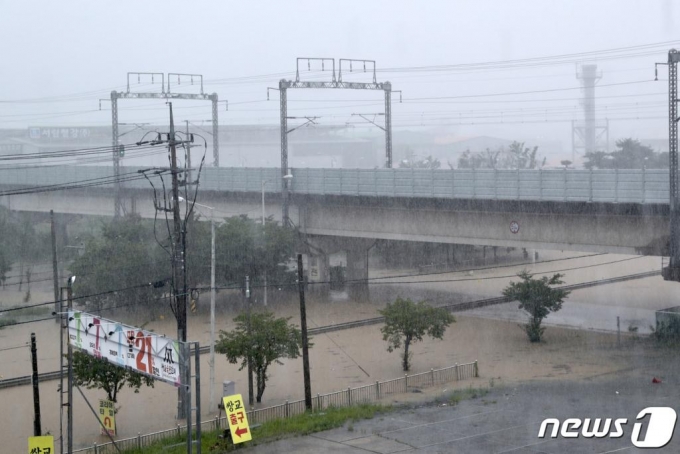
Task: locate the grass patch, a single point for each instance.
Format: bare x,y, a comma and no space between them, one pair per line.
454,397
299,425
32,311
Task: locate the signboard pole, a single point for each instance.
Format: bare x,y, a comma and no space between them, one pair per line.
197,381
187,393
37,430
69,419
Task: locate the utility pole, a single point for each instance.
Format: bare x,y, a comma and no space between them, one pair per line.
178,266
251,399
305,341
69,417
37,430
55,268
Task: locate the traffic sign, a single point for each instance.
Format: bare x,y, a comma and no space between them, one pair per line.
107,415
514,226
41,445
237,418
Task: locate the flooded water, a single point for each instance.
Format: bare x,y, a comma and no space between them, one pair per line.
354,357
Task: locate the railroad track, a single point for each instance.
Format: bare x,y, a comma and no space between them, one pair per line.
453,307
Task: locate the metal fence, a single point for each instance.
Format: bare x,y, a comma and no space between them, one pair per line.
616,186
344,398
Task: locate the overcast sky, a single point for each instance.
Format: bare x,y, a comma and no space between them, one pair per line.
53,49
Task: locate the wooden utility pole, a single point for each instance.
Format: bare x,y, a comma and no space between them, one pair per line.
37,430
55,269
305,342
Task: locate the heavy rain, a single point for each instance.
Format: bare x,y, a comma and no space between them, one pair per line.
379,226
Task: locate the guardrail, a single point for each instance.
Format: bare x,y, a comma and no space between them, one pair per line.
615,186
344,398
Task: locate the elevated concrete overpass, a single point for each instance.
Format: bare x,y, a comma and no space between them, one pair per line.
622,211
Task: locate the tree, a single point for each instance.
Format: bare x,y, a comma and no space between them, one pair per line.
244,247
538,299
427,163
521,157
125,256
407,322
270,339
480,160
630,154
517,156
98,373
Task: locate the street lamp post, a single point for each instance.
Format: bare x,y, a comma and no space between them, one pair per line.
264,183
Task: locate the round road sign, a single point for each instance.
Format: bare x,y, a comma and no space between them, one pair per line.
514,226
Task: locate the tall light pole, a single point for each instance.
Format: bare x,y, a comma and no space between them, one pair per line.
212,302
264,183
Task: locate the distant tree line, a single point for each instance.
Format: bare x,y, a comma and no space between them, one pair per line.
629,154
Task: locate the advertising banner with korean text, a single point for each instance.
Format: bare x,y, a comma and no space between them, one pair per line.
126,346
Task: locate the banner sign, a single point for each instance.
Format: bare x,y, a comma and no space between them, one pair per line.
41,445
107,416
126,346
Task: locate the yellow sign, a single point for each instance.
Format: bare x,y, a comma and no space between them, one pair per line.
107,415
237,418
41,445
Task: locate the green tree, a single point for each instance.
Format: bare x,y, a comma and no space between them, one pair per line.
125,256
517,156
427,163
407,322
521,157
270,339
630,154
98,373
537,298
244,247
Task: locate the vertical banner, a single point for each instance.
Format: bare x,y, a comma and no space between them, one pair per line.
107,415
41,445
237,418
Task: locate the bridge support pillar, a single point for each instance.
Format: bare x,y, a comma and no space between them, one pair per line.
357,274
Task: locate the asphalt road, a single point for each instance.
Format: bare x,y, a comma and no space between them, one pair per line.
507,420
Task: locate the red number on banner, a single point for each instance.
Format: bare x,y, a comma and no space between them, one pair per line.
144,344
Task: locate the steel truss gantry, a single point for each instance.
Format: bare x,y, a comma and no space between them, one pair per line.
164,94
672,272
335,83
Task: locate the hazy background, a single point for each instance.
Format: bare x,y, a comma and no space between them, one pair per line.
60,58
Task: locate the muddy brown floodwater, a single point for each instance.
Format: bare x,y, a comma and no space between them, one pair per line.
345,358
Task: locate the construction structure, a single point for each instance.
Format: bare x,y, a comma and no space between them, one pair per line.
335,82
589,135
165,93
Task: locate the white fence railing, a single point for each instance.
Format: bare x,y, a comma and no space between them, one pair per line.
344,398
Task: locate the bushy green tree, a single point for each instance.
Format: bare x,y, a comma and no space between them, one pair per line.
538,299
125,256
98,373
244,247
630,154
517,156
269,340
427,163
407,322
